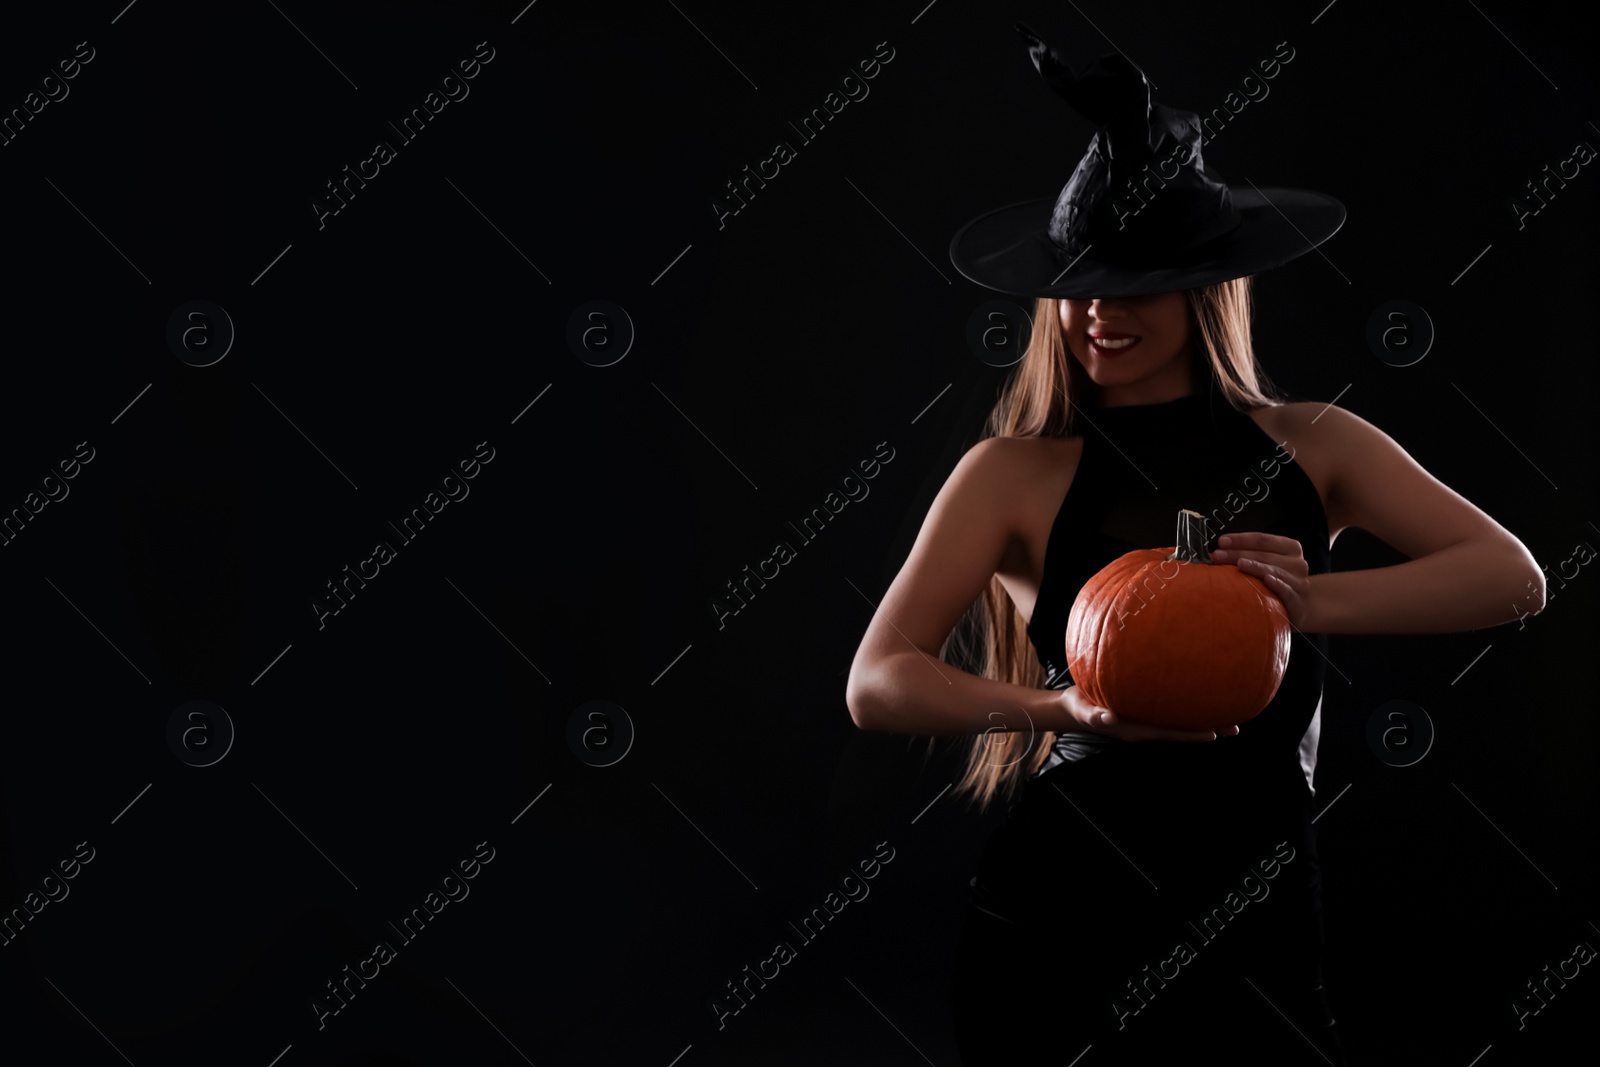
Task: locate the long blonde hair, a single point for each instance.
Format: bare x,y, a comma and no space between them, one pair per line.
1040,400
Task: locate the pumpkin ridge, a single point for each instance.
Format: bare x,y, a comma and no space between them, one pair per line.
1202,649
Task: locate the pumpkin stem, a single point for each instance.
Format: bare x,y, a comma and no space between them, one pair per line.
1191,538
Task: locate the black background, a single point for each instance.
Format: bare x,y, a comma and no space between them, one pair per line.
776,352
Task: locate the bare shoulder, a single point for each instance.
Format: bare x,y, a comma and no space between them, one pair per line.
1377,486
1326,429
1020,458
1328,443
1015,476
1295,417
1026,479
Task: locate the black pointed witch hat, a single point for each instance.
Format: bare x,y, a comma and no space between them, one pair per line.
1139,214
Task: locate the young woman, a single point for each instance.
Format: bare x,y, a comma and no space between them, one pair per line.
1152,891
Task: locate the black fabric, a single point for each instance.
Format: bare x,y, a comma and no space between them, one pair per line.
1116,854
1139,213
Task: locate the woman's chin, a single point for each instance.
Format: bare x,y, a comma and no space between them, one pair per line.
1105,375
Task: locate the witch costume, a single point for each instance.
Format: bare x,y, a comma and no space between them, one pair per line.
1154,898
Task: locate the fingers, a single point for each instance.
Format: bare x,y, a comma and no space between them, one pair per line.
1271,549
1284,576
1289,584
1242,558
1258,541
1267,572
1127,730
1278,585
1103,720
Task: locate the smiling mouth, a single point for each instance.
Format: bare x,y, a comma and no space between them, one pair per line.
1111,344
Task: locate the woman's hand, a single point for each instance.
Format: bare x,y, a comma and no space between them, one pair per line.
1278,561
1098,720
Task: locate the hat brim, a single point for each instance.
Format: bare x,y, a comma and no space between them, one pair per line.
1008,249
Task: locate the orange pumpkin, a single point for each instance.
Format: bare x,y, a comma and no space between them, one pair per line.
1168,638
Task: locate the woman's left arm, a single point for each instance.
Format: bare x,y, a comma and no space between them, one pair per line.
1465,571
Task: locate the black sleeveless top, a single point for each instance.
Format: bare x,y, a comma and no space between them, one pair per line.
1139,467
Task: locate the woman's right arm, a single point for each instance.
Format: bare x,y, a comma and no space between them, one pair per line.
898,683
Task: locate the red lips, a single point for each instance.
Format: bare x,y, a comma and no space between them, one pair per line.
1095,337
